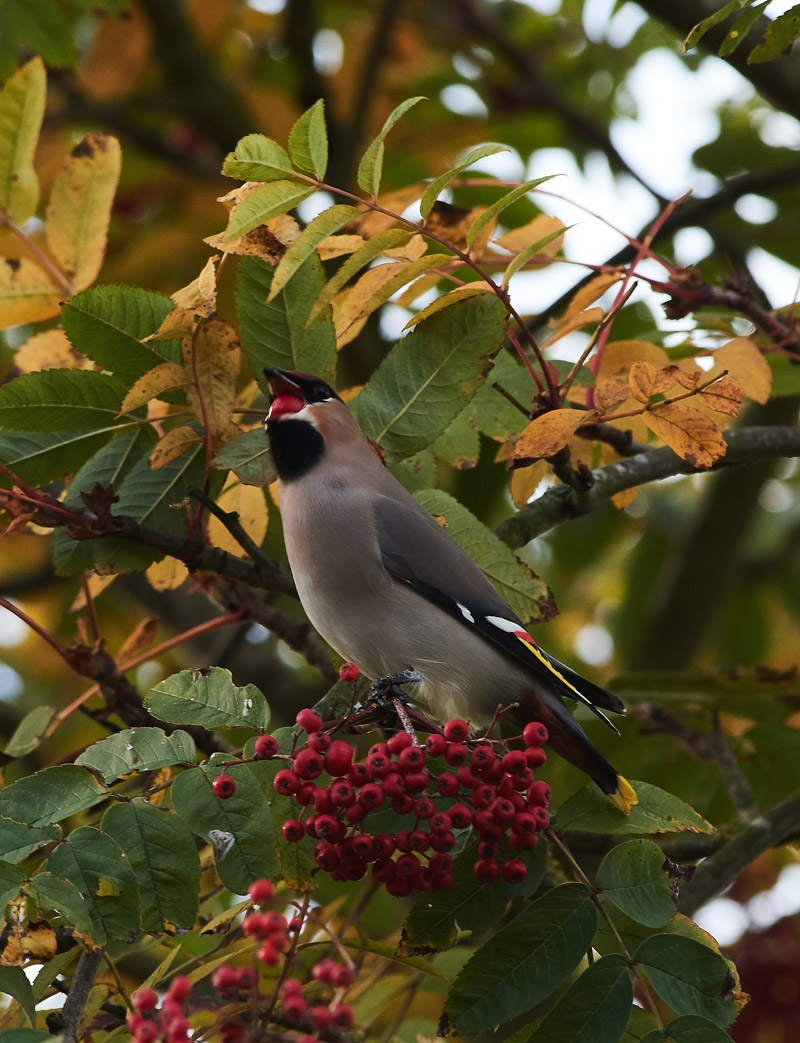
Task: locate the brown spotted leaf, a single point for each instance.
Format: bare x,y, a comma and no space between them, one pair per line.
641,379
200,296
544,436
172,445
213,356
611,393
166,377
269,241
724,396
690,433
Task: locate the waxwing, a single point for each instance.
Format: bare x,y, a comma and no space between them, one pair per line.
391,591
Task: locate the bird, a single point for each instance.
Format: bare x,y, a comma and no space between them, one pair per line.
390,590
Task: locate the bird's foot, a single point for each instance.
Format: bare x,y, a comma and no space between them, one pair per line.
385,690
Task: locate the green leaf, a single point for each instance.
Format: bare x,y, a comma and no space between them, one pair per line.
249,457
29,732
164,859
148,496
633,877
656,812
688,1029
526,594
431,193
530,251
276,197
108,467
28,1036
689,977
258,158
18,839
108,323
594,1009
702,28
21,110
494,415
14,982
138,749
39,457
240,827
308,141
276,334
11,880
97,866
781,34
482,220
640,1022
429,376
323,225
45,27
60,399
208,698
370,168
50,795
741,28
473,906
459,445
524,962
64,897
359,259
447,300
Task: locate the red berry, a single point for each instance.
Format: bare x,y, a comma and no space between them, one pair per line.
442,882
398,742
539,794
523,841
534,734
146,1033
415,782
406,865
424,808
502,810
383,846
261,891
359,774
440,822
266,747
329,828
349,672
286,782
343,1016
399,887
514,762
322,800
411,759
305,795
294,1008
353,867
514,871
542,818
486,870
293,830
371,796
180,986
269,954
523,823
443,842
247,979
338,758
535,756
378,765
342,793
440,864
223,787
447,784
145,999
402,839
326,856
383,870
483,756
394,785
309,721
355,812
420,840
320,1017
435,744
521,781
363,846
455,754
307,764
295,924
482,796
486,850
461,815
402,805
344,977
456,730
225,978
469,776
319,741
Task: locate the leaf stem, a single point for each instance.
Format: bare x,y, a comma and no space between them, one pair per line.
49,266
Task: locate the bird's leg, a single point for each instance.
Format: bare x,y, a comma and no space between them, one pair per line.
386,694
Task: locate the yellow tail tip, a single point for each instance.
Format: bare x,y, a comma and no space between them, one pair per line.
624,797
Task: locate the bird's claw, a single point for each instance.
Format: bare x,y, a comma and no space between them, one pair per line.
385,690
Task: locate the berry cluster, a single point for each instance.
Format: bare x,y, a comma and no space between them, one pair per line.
315,1014
450,784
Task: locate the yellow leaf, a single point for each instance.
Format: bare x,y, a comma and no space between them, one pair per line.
620,355
96,584
724,396
641,379
27,293
589,293
525,481
22,102
213,357
165,377
691,434
576,322
80,208
168,574
452,223
372,222
410,251
458,294
746,364
539,228
48,350
142,637
269,241
339,246
611,393
177,324
625,498
118,55
170,447
200,296
353,300
249,503
544,436
416,289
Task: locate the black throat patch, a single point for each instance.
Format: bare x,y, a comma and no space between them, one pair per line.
296,447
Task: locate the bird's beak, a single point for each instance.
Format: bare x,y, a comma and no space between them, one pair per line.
285,395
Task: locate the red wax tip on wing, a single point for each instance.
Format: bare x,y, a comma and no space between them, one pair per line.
523,635
285,404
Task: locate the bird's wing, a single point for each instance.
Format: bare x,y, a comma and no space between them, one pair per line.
417,551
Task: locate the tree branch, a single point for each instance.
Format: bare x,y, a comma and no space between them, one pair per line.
82,981
745,445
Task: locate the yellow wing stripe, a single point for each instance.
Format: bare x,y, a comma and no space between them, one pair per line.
624,797
532,647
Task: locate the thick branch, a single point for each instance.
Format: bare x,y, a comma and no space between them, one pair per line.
719,868
82,981
745,445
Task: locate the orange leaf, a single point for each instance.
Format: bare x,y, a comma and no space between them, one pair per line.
170,447
611,393
575,322
544,436
745,363
724,396
141,638
525,481
641,379
589,293
168,574
620,355
691,434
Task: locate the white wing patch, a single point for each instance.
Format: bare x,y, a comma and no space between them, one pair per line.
465,612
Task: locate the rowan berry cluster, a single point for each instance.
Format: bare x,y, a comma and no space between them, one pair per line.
451,784
311,1014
